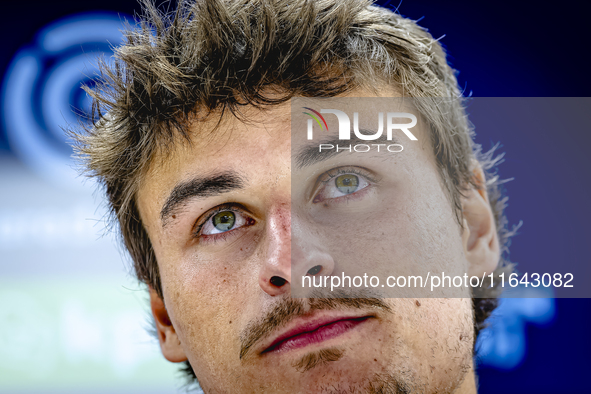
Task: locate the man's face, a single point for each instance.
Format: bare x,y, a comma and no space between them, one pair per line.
235,222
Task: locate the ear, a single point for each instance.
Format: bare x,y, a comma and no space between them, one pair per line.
169,342
480,238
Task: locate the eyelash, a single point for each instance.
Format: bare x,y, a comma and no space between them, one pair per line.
331,176
237,210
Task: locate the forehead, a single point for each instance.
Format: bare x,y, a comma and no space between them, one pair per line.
260,140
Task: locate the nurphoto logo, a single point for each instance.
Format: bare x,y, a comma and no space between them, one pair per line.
344,124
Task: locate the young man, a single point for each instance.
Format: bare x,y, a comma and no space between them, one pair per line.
226,205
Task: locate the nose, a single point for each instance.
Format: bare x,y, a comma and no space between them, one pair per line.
292,252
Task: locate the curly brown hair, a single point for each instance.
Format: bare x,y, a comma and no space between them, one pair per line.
214,56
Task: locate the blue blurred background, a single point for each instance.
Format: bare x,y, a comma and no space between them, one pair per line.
62,275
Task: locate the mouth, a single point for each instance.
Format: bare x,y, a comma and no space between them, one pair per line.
313,332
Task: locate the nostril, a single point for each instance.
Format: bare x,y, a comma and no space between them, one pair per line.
314,270
277,281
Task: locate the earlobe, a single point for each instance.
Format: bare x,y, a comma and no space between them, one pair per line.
480,238
169,341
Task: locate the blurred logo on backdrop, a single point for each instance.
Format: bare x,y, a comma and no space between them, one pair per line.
42,90
503,344
69,321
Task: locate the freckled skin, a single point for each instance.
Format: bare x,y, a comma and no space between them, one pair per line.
212,292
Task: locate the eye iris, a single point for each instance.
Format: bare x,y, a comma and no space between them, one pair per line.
224,221
347,183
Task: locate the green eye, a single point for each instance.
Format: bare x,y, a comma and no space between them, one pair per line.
224,221
347,183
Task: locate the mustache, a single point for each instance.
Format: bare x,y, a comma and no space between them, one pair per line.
290,308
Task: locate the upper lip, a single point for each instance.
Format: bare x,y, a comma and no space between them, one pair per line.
304,324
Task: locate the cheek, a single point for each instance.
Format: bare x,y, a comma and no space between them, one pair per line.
431,231
200,274
206,298
408,228
436,337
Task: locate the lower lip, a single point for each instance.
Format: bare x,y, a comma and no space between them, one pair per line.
321,334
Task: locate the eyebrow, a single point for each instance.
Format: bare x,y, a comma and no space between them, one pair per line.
200,187
310,154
